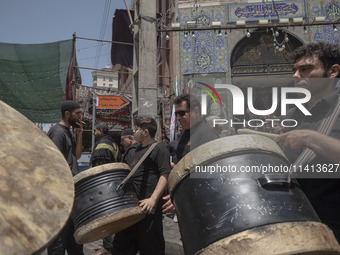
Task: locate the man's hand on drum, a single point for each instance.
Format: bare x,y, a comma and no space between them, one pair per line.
147,205
297,139
168,207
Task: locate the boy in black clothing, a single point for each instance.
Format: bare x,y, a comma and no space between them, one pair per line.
149,182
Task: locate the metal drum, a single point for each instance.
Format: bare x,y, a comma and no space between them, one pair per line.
99,210
238,212
36,186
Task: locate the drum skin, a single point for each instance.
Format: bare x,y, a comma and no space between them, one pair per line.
212,207
36,186
99,209
287,238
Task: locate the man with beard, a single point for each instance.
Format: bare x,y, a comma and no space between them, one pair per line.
70,144
317,68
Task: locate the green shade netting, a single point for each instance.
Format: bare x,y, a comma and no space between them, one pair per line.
33,78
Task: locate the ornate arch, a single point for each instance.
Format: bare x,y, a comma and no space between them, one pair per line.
262,61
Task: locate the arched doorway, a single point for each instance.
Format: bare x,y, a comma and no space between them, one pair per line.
262,61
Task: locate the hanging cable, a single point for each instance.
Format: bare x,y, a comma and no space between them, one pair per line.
102,31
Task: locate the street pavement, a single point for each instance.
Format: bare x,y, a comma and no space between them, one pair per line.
173,243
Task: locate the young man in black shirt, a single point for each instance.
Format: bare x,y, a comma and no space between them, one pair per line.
317,68
70,144
149,182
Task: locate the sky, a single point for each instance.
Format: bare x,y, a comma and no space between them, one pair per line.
43,21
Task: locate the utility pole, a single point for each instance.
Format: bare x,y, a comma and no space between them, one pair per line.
145,59
94,103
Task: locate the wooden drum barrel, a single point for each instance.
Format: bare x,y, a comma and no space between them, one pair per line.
99,210
235,211
36,186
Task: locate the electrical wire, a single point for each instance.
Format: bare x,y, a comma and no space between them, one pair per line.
102,31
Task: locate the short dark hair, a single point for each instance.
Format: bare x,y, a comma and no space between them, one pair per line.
190,99
328,53
147,123
102,126
127,131
68,105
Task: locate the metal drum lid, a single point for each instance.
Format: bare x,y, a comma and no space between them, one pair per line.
218,148
100,169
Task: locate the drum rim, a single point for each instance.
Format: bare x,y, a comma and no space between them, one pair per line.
209,150
82,233
272,232
100,169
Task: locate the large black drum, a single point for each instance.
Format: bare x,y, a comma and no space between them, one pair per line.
99,209
227,201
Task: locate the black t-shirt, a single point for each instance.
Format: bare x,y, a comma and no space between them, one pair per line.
146,177
66,143
324,194
197,135
131,147
172,147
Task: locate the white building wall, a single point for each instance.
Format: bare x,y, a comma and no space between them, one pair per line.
105,79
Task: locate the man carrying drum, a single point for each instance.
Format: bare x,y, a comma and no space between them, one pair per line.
317,68
149,182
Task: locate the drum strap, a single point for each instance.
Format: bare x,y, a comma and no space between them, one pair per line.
325,128
137,165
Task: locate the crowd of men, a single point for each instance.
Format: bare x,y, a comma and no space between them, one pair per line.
316,68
